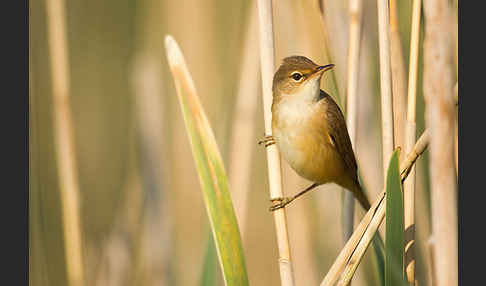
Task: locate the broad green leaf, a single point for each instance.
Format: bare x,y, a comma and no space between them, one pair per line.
212,175
394,240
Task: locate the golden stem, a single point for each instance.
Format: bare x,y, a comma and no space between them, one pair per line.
409,184
65,149
267,65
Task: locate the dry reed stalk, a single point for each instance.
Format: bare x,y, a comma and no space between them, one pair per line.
349,247
368,227
438,91
431,250
334,24
147,89
352,102
65,149
358,253
409,184
267,64
399,81
153,230
385,83
242,138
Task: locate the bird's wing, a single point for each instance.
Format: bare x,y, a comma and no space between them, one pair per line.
339,133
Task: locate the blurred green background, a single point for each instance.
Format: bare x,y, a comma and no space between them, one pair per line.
143,220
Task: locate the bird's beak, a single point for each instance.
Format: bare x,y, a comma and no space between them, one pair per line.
321,69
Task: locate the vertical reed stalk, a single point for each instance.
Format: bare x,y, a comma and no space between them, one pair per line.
432,274
242,139
409,184
438,91
267,65
352,102
385,83
399,81
147,89
65,150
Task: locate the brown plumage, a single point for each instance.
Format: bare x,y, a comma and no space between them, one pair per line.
310,129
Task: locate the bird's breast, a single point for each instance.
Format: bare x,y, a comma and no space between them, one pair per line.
301,133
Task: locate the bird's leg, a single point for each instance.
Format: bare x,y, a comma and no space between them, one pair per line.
267,141
287,200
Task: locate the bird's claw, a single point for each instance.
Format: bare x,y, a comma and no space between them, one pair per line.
282,203
267,141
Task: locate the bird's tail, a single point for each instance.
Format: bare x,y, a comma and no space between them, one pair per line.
361,197
377,241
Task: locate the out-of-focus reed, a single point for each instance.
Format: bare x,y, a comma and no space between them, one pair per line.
243,126
438,91
64,138
352,76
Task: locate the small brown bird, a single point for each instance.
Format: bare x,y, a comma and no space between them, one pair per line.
310,129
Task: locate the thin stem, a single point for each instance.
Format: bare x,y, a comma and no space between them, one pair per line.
267,65
409,184
65,150
385,83
399,81
242,138
351,103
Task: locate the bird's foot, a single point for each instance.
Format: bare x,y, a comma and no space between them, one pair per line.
267,141
282,202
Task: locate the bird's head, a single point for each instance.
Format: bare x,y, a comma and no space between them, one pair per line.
298,75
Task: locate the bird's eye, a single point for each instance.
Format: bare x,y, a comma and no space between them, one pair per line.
297,76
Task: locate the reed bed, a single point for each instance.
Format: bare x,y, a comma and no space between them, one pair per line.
128,185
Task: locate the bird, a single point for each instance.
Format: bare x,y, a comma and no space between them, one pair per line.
310,130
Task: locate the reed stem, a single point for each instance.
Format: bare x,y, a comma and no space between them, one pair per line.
385,83
64,133
242,139
355,13
409,184
267,65
438,91
399,81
